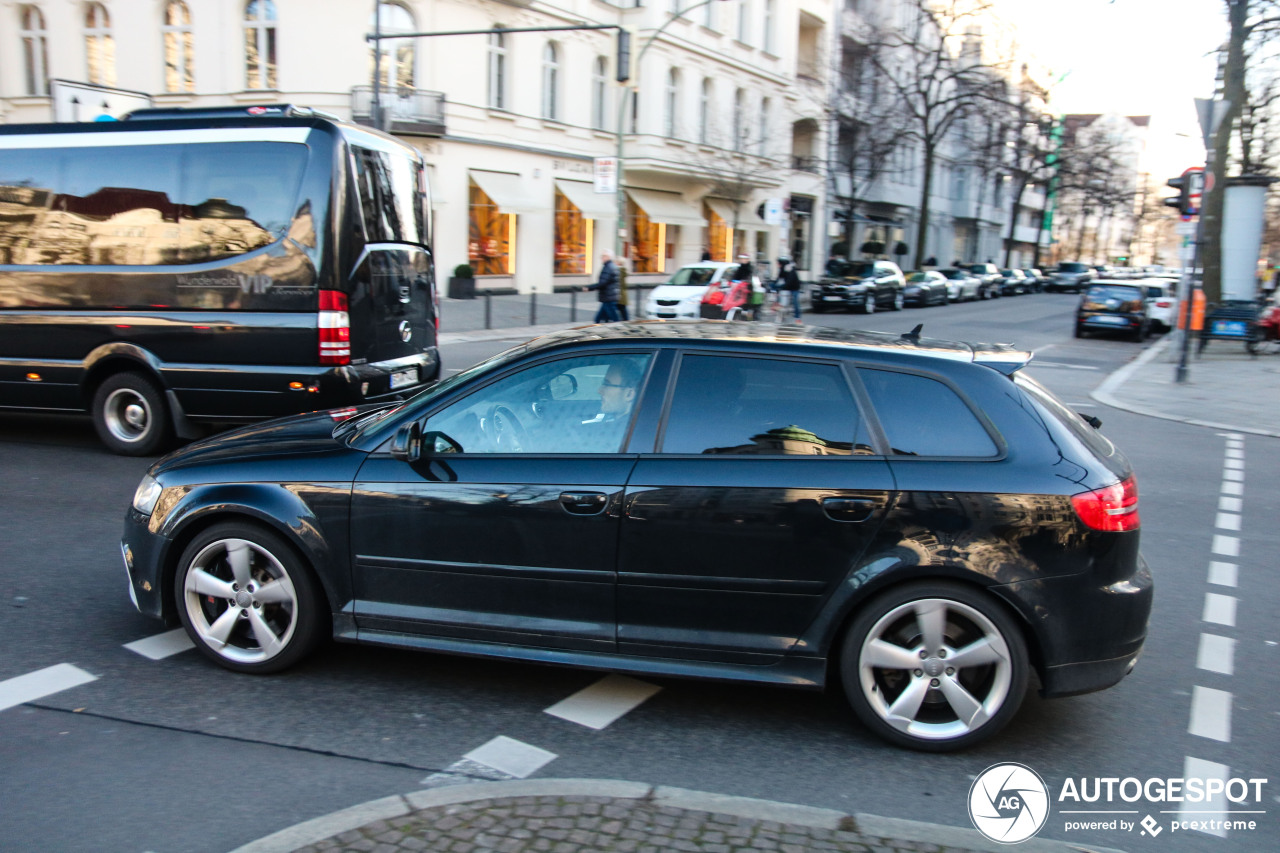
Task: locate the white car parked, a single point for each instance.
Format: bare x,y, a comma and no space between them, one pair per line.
680,297
1162,302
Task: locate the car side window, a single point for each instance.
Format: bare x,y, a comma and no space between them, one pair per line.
739,406
924,417
571,405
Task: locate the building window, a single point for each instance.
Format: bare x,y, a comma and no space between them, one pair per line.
648,239
762,144
99,49
178,48
672,104
573,237
35,47
704,110
550,81
719,235
599,85
260,44
709,16
769,16
497,71
489,247
396,65
744,21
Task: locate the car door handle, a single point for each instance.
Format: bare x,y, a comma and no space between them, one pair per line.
584,503
848,509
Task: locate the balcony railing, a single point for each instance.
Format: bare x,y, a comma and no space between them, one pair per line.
806,164
409,111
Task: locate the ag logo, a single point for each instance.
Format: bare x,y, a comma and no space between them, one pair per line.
1008,803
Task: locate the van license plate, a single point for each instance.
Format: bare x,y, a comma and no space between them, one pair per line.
402,378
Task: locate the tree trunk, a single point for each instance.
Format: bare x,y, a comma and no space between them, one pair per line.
1013,223
1211,211
923,229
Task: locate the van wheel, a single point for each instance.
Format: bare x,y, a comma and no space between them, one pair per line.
131,416
934,666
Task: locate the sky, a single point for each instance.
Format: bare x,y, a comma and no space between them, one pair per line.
1134,57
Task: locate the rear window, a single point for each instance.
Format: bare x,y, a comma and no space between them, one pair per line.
925,417
1071,267
1050,406
1109,292
387,186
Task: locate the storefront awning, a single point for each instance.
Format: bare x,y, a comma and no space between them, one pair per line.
593,205
667,208
507,191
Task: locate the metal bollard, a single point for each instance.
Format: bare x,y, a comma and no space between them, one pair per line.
488,310
573,306
533,307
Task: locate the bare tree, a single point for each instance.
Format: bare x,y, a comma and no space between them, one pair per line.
930,62
1092,182
735,162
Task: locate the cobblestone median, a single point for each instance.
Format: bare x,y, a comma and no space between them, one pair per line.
584,824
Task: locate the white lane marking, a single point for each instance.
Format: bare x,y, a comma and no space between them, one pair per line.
1233,476
511,756
41,683
163,645
1227,546
604,702
1198,768
1233,464
1235,452
1210,714
1227,521
1220,609
1226,504
1232,488
1216,654
1223,574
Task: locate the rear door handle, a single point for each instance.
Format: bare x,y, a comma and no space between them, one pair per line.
583,503
848,509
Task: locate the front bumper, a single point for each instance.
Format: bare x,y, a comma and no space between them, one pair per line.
143,554
1088,633
838,298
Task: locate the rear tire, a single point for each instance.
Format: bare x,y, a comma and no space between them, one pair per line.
131,415
934,666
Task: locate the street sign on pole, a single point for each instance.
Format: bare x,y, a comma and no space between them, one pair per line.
773,211
606,174
1210,113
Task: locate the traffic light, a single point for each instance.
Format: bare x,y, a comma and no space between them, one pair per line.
1190,187
622,61
1181,200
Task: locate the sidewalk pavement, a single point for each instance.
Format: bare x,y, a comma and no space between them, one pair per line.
1226,389
595,815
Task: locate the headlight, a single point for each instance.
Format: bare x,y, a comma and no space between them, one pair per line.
146,495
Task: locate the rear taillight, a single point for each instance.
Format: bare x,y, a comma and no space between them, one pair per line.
1112,508
335,328
1164,303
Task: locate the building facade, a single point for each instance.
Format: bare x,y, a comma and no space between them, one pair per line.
720,122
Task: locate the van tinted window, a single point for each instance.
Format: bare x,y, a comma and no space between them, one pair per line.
389,217
145,204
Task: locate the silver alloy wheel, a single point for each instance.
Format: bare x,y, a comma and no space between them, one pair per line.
127,414
935,669
869,303
240,601
899,301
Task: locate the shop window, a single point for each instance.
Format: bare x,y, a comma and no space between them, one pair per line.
719,235
573,237
492,232
648,241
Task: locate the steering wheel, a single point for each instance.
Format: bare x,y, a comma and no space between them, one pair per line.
504,429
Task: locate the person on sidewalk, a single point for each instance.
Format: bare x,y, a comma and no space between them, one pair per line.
609,286
789,282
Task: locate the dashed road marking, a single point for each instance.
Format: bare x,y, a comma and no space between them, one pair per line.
1232,488
1233,475
511,756
41,683
1216,654
1226,504
163,645
1210,714
1219,609
1227,521
1223,574
1227,546
1233,464
1198,768
602,703
1235,452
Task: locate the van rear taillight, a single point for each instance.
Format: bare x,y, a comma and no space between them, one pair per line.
1112,508
335,328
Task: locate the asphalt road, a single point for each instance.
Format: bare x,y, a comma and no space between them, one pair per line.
176,754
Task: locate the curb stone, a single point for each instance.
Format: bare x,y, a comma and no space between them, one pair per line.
872,826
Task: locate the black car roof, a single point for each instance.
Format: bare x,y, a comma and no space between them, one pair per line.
1005,358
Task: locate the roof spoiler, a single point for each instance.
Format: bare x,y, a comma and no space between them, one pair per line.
255,111
1005,358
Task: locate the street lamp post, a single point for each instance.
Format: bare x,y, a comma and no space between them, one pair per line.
622,114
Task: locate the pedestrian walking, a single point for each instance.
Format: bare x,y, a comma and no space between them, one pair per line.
789,282
609,287
706,254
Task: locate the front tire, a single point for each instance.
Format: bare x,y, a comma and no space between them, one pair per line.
131,415
246,599
934,666
869,304
900,301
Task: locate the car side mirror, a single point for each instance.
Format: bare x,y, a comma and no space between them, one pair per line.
406,444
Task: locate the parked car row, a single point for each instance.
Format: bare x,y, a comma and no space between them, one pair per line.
1132,308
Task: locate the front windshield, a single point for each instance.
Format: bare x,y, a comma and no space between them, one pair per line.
1070,267
856,268
693,276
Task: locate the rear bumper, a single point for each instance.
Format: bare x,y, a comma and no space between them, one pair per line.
1088,633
